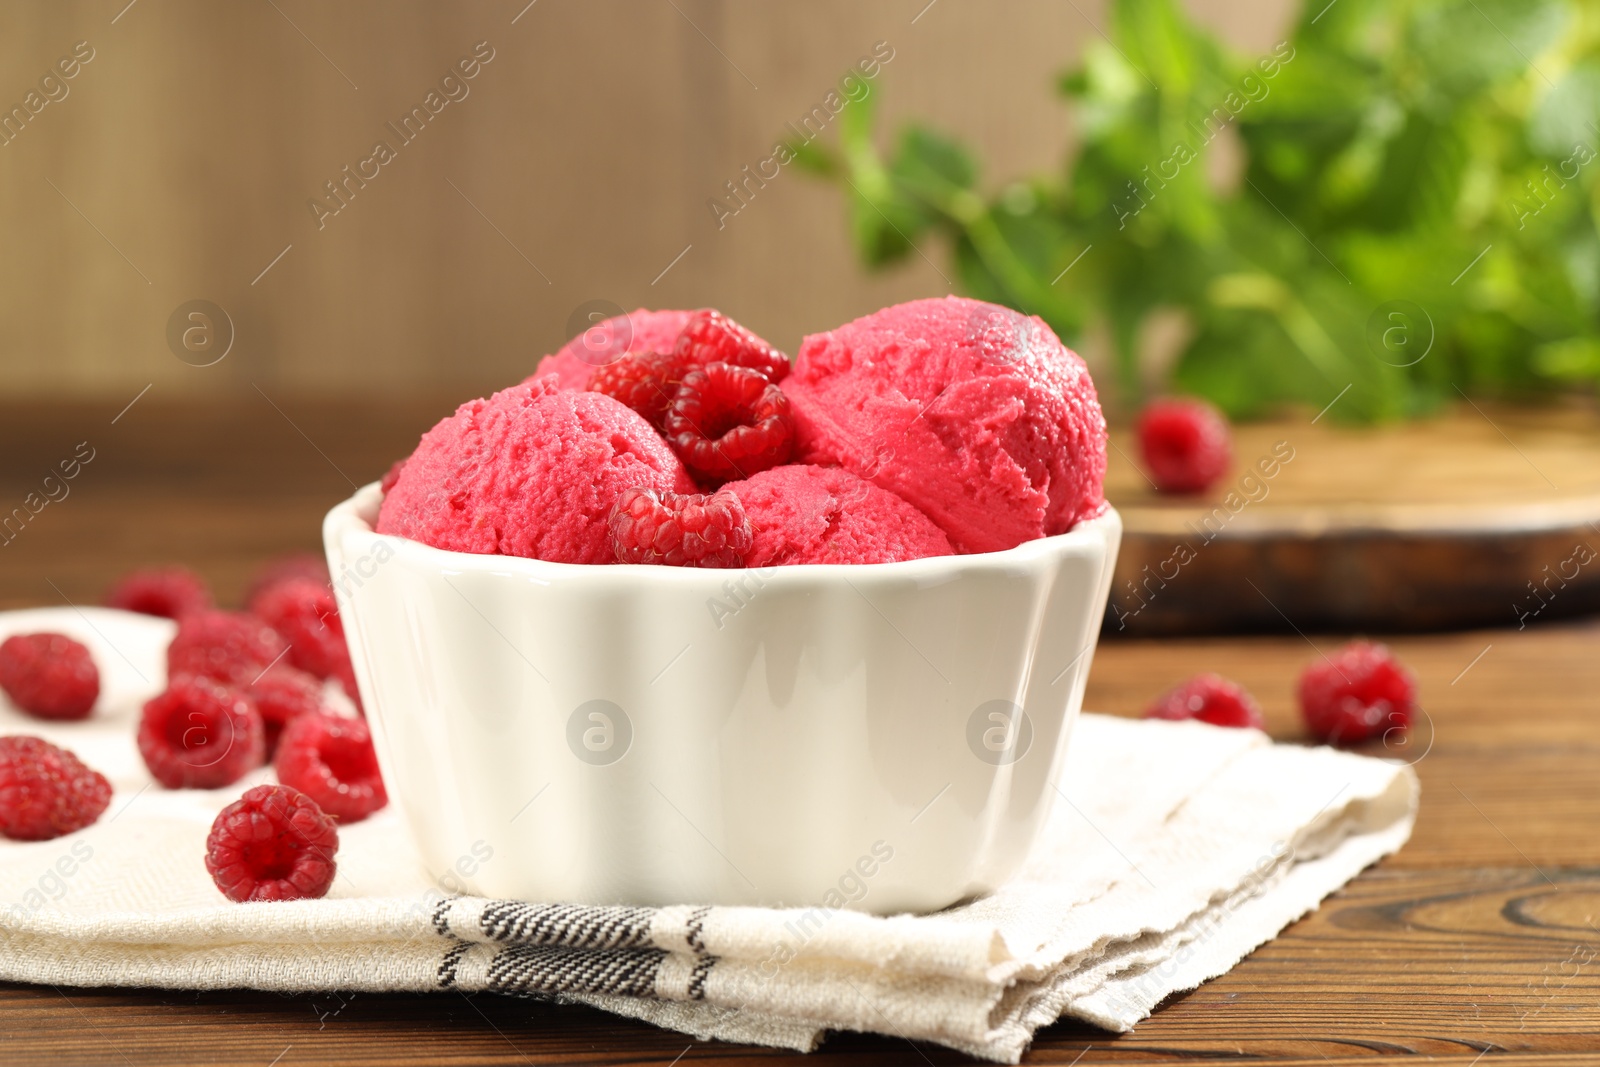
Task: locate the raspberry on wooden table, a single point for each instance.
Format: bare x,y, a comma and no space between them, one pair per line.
46,791
49,675
305,614
230,646
1210,698
1360,692
680,529
170,592
201,734
729,423
273,843
283,694
1186,444
331,760
711,337
645,381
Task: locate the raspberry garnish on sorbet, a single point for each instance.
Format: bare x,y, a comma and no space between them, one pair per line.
605,342
644,381
711,337
1210,698
46,791
1360,692
647,380
680,529
49,675
230,646
331,760
273,843
170,592
201,734
729,422
1185,443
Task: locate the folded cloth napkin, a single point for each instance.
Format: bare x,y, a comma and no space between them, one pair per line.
1173,851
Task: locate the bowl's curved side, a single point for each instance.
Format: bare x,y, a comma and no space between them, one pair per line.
821,736
1063,651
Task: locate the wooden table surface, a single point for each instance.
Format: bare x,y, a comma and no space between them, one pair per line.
1474,515
1479,942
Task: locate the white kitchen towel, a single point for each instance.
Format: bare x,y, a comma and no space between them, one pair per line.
1175,850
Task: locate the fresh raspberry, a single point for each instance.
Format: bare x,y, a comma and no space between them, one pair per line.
46,791
680,529
644,381
273,843
711,337
283,694
170,592
305,615
1210,698
1360,692
306,565
48,675
331,760
201,734
229,646
729,422
1186,444
391,476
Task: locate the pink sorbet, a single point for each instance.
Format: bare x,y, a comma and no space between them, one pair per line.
808,514
976,414
608,341
531,471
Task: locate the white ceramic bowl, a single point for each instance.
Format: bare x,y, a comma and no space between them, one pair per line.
883,737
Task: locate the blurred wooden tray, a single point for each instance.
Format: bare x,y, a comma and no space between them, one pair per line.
1486,516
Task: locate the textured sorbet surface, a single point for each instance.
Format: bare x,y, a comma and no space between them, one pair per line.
531,471
608,341
977,415
808,514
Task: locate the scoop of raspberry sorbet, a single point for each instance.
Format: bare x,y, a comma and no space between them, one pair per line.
807,514
976,414
531,471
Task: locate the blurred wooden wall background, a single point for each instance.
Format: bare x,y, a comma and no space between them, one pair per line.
180,161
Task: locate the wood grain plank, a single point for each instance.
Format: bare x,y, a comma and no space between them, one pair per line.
1461,464
1474,517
